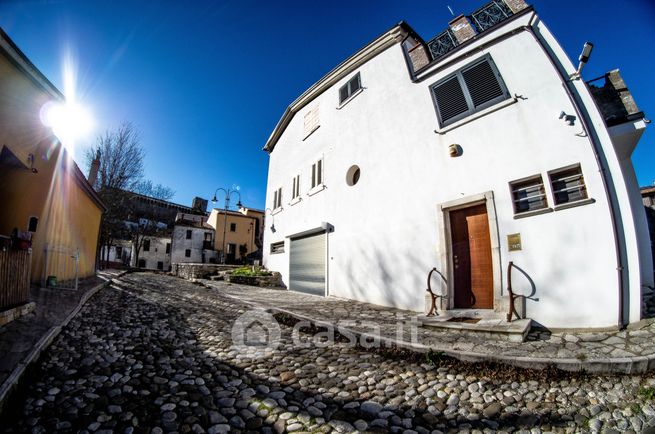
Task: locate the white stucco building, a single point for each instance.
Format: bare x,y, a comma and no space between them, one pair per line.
477,148
193,240
155,254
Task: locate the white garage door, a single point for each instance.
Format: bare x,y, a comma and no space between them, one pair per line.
307,264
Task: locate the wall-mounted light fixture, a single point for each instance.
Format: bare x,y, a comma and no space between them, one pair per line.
569,119
584,58
455,150
272,218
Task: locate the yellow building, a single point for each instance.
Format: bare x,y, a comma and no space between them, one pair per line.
43,193
240,232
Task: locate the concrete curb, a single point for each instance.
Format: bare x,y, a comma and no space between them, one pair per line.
9,385
625,365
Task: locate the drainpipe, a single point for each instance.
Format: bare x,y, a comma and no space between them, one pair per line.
597,149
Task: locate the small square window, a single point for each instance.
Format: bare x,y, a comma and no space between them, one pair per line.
187,253
528,194
568,185
350,88
233,227
188,234
277,247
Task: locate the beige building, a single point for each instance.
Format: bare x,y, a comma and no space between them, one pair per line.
240,232
46,200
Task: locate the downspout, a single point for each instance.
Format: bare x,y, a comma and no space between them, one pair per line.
566,83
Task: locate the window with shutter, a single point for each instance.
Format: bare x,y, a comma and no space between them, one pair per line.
349,89
528,194
568,185
472,88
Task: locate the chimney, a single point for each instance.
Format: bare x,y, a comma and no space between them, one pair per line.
516,5
418,55
199,204
462,28
93,170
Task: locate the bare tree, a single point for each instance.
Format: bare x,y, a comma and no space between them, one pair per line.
120,176
121,158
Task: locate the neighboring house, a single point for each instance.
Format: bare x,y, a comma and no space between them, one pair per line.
43,193
193,240
241,233
155,254
154,234
120,254
463,155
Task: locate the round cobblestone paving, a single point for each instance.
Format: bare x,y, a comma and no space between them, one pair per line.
155,354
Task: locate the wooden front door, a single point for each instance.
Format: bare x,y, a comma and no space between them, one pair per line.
471,255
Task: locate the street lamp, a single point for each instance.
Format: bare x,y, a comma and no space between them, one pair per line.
228,193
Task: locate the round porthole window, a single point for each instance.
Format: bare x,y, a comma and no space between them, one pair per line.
352,176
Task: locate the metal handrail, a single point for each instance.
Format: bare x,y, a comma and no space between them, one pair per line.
512,296
433,305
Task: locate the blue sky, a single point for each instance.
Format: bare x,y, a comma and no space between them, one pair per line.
206,82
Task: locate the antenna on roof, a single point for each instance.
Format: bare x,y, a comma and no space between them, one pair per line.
451,11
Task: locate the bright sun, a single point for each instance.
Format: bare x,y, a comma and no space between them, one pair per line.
69,121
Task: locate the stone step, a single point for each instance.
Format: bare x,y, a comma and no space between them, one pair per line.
489,327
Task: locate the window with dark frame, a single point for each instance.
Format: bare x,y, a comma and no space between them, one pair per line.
317,173
528,194
119,252
348,90
568,185
277,247
168,247
233,227
187,253
277,198
188,234
296,187
146,245
32,224
473,88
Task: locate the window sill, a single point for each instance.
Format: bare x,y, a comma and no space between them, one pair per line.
276,210
295,201
350,98
574,204
532,213
316,189
311,132
477,115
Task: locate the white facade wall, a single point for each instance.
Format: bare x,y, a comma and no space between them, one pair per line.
194,244
123,257
156,254
388,228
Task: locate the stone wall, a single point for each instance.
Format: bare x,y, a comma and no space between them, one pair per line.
199,271
275,280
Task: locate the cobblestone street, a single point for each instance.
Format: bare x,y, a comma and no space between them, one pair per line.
154,354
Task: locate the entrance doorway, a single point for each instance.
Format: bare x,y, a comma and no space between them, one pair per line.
473,283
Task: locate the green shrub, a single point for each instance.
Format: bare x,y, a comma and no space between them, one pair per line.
250,271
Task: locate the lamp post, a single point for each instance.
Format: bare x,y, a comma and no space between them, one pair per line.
228,193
